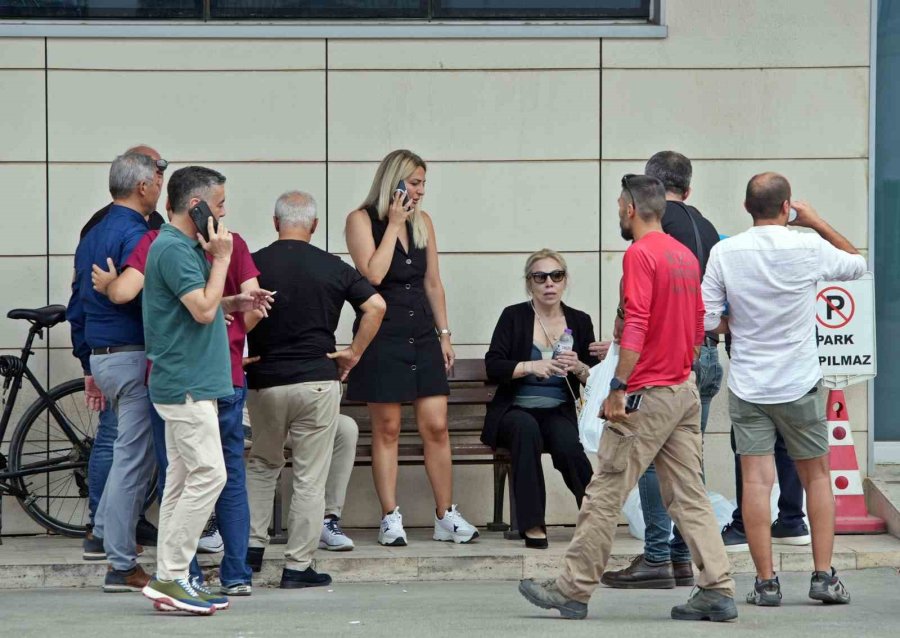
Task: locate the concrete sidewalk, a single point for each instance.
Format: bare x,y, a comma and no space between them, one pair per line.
51,561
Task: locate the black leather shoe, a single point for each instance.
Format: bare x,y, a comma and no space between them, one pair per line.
145,533
641,575
295,579
254,558
536,543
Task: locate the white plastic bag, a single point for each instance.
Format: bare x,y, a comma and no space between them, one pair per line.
722,508
590,425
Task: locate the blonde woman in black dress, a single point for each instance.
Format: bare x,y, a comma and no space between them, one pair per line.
392,243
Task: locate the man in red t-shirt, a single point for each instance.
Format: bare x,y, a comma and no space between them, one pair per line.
232,510
653,414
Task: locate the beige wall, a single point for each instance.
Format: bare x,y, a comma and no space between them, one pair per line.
526,141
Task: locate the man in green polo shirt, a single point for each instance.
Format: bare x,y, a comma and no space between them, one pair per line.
187,344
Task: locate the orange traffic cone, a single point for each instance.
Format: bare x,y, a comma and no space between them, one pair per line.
851,516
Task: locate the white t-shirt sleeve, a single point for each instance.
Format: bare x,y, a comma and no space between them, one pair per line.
713,291
838,265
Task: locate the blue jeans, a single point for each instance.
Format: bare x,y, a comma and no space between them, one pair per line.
101,457
657,547
232,508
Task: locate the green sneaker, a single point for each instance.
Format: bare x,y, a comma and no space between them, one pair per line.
178,594
218,601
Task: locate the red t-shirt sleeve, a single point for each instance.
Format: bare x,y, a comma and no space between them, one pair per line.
138,257
246,269
637,283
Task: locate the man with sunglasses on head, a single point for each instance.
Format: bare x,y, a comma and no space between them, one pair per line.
109,341
664,563
653,414
102,450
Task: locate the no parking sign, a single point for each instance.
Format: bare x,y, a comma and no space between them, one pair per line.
845,330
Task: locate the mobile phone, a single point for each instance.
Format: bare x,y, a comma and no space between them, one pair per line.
633,403
792,215
401,186
200,215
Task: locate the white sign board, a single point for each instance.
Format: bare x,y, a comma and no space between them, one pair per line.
845,330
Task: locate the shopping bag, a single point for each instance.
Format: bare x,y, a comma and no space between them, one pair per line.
590,425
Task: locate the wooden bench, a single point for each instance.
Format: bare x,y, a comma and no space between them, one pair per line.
470,392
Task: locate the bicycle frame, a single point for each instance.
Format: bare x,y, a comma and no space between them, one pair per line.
12,384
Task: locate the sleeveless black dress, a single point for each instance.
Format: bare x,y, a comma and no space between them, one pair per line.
404,361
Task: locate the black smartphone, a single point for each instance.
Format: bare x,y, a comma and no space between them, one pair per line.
200,215
401,186
633,403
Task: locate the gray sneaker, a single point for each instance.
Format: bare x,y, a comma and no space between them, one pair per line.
828,588
706,604
766,593
547,596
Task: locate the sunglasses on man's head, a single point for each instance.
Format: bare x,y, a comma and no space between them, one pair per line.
162,165
625,179
539,277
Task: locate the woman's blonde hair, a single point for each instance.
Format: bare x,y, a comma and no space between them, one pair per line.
543,253
397,165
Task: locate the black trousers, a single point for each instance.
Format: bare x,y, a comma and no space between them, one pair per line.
526,433
790,502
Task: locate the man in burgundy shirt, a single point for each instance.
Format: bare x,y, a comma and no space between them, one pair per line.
232,509
662,335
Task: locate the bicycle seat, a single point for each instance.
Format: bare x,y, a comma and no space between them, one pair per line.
45,317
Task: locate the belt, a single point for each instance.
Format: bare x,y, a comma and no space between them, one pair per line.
711,340
115,349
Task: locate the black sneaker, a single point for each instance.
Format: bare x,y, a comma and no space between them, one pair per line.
766,593
295,579
706,604
734,538
145,534
255,558
828,588
794,535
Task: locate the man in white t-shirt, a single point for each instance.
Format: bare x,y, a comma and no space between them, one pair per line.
768,277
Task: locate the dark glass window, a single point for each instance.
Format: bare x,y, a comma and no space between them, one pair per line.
250,9
86,9
541,9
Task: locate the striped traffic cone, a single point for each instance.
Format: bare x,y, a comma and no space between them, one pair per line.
851,516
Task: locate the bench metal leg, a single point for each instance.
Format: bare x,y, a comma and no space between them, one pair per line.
277,534
512,534
501,470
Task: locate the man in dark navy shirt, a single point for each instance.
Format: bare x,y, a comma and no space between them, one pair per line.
109,341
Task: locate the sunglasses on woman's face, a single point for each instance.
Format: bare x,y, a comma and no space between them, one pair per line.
539,277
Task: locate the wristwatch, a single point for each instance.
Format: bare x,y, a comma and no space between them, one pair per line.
445,331
620,312
616,384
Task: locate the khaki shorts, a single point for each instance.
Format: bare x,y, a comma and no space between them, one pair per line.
801,422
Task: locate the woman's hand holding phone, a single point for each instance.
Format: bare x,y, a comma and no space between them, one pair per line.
401,208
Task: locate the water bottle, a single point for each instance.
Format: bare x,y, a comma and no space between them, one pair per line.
565,343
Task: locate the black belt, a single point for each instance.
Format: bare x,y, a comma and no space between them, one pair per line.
115,349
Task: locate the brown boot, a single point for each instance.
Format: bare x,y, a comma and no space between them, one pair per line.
641,575
684,574
133,579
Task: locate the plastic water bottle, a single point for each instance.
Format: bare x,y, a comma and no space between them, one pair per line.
565,343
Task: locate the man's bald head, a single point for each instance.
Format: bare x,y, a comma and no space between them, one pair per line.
143,149
766,194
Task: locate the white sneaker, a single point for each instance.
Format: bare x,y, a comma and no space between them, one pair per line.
333,538
211,540
391,531
453,527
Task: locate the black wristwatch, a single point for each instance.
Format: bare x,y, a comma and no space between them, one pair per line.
620,312
616,384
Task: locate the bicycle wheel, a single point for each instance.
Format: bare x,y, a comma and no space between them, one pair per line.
55,492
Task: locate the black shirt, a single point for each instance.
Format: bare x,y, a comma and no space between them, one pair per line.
155,220
312,286
677,222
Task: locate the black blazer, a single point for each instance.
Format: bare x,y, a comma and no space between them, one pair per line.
510,344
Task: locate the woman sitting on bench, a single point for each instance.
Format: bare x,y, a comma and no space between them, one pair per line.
534,407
